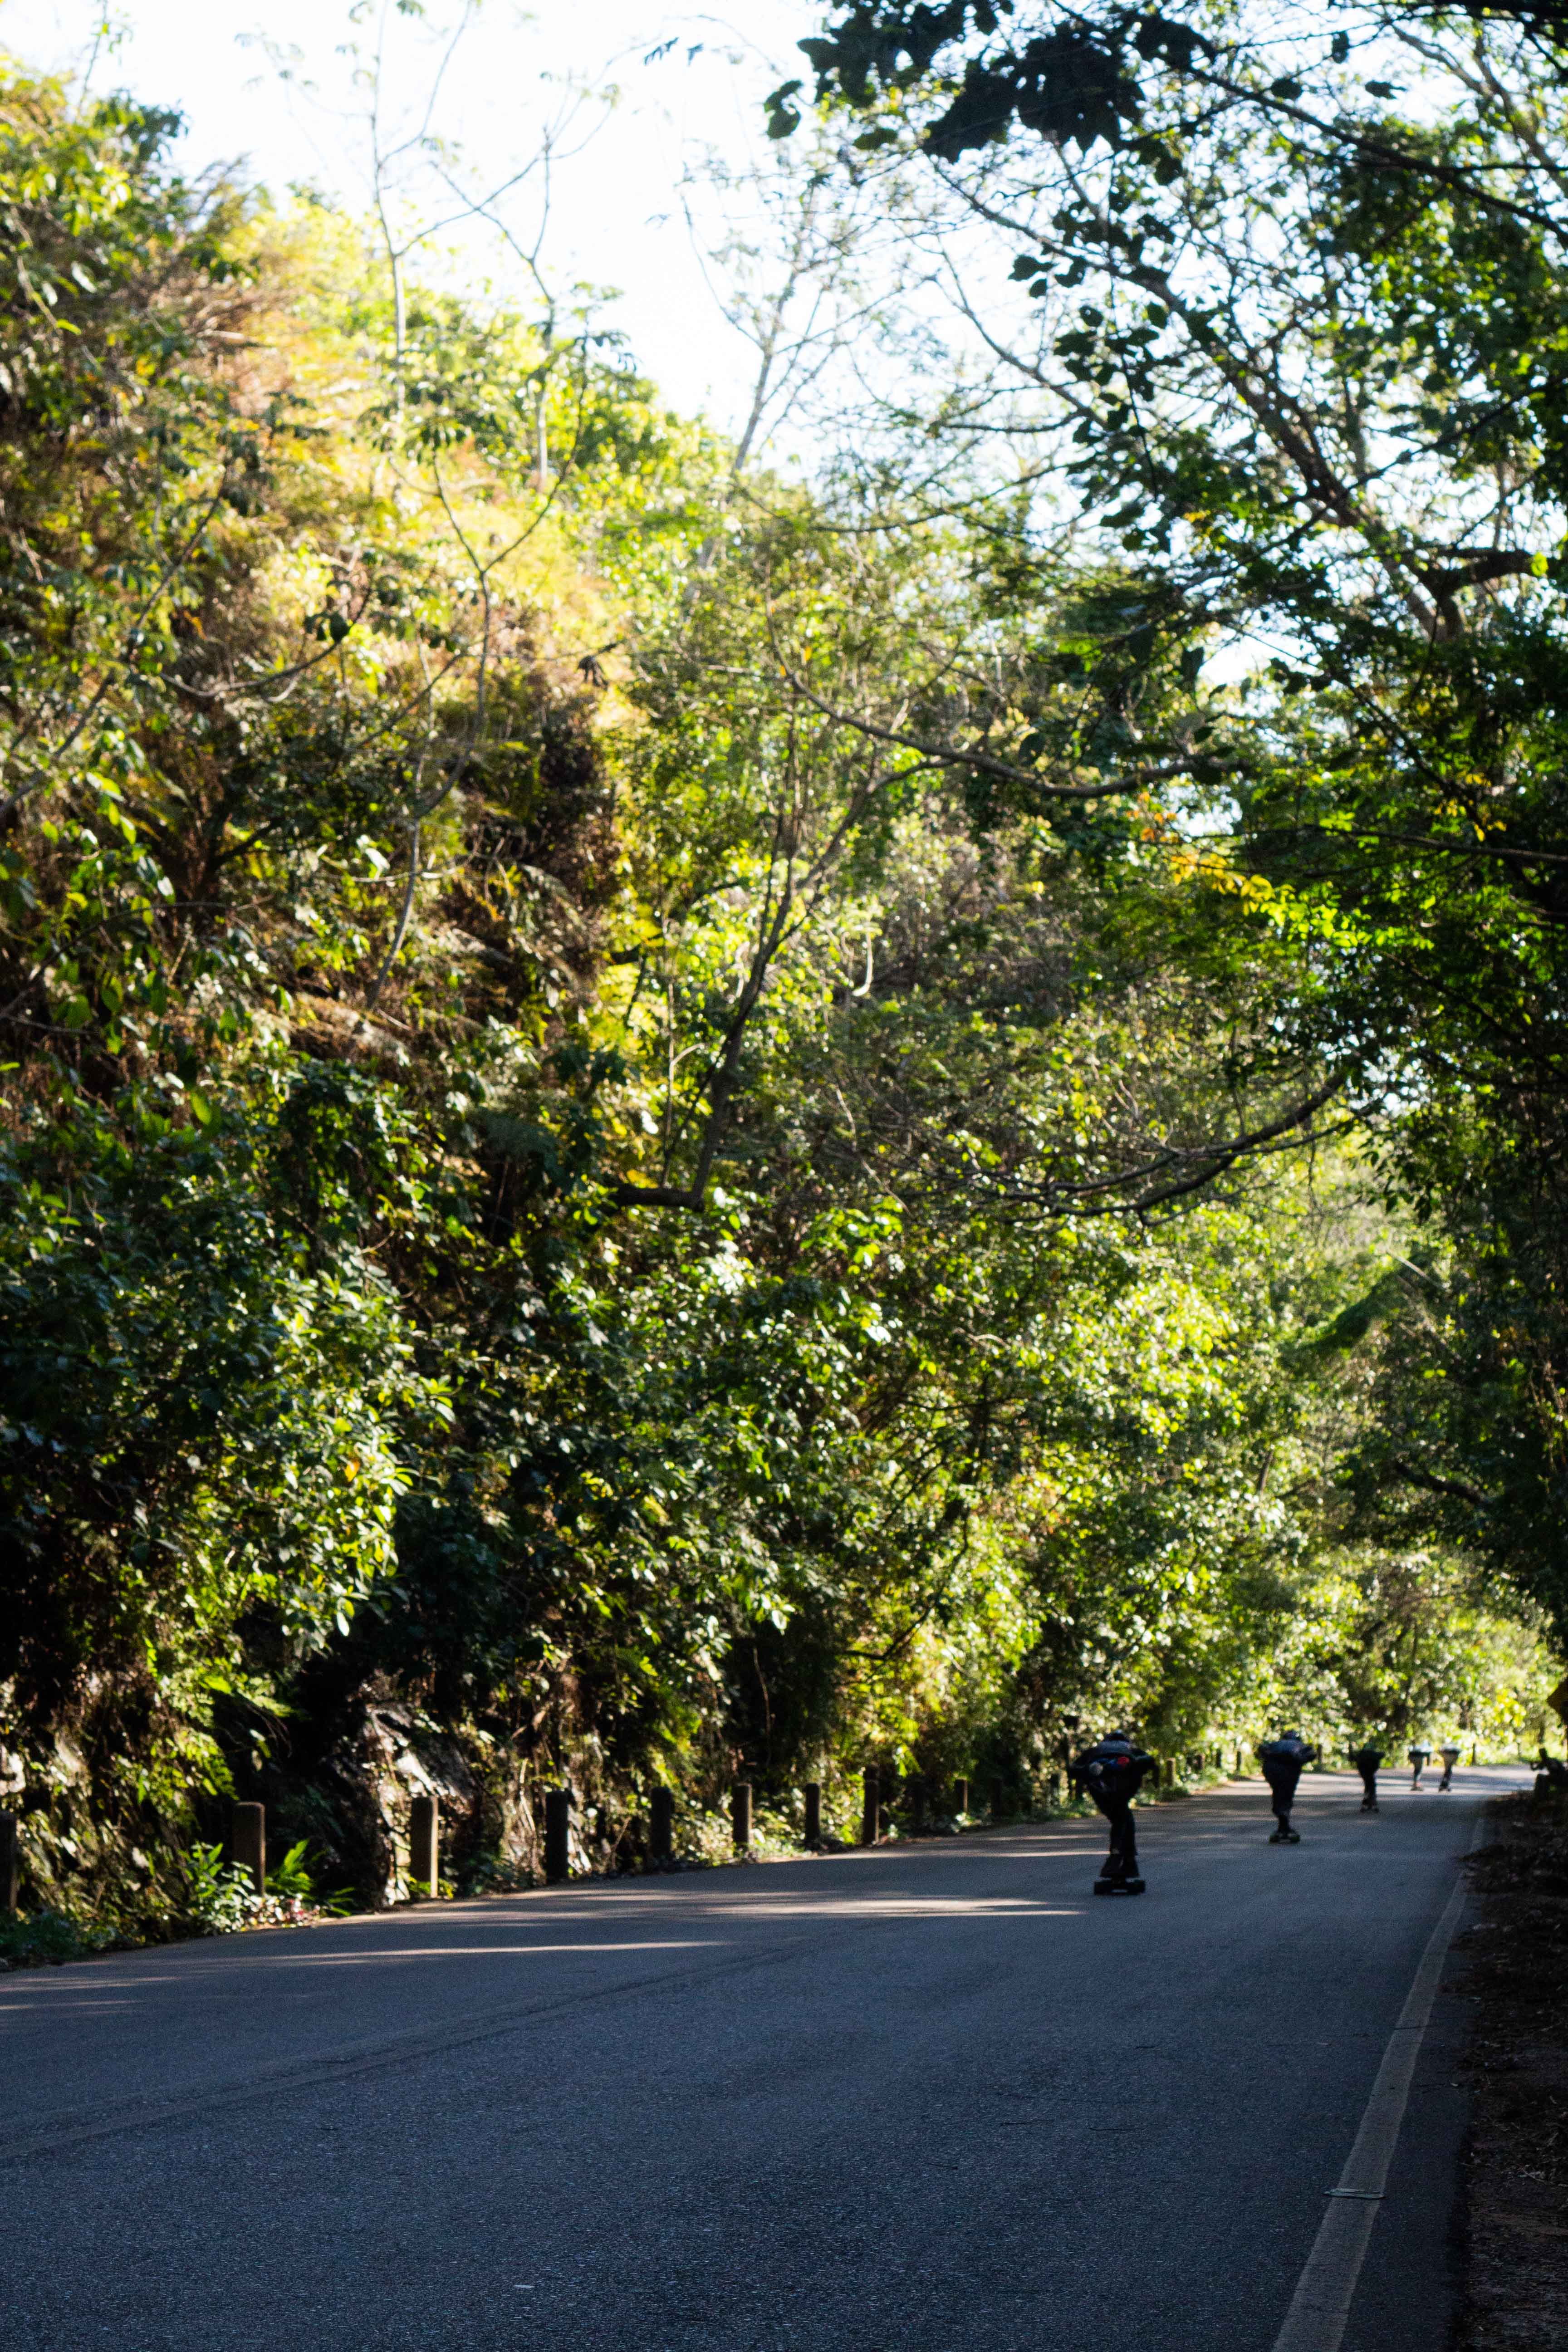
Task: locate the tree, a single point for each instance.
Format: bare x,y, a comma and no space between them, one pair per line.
1287,327
596,1158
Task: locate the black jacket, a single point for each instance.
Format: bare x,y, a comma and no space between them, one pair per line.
1112,1772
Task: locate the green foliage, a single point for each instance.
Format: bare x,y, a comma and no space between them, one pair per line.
292,1875
294,1881
34,1940
1298,346
607,1140
219,1896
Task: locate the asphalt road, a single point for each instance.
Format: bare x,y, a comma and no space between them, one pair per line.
934,2096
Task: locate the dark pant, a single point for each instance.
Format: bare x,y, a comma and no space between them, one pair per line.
1123,1854
1282,1790
1368,1784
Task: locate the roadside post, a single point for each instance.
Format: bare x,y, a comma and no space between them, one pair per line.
557,1835
248,1843
869,1808
813,1793
425,1844
661,1826
7,1864
960,1796
740,1815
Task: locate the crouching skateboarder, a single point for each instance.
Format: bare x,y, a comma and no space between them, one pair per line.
1113,1773
1282,1761
1366,1761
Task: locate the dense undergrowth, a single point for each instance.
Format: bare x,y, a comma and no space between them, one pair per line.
1517,2170
565,1208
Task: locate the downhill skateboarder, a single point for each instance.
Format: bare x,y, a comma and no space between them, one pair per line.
1366,1761
1113,1772
1282,1761
1450,1757
1418,1759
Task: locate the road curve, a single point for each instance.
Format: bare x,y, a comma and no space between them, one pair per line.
932,2097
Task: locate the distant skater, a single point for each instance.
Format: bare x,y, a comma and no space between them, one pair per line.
1113,1772
1450,1757
1366,1761
1418,1759
1282,1761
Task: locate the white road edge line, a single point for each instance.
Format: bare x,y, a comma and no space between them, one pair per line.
1321,2302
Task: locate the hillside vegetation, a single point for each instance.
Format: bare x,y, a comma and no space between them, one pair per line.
589,1191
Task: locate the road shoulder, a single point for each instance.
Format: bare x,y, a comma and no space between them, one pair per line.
1515,2296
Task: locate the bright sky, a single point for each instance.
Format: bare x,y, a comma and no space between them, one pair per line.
615,213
